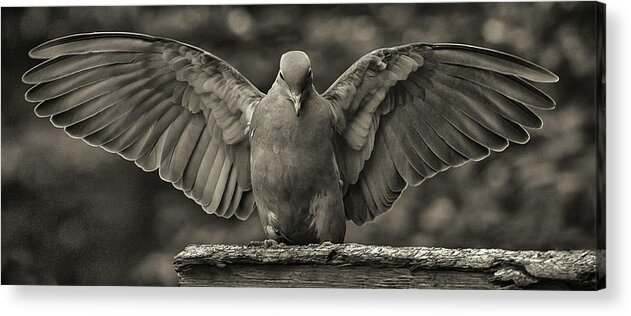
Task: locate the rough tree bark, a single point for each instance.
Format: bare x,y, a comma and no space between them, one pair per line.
363,266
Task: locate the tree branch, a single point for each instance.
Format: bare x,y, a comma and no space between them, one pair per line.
364,266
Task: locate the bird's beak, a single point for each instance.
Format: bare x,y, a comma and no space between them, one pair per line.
296,98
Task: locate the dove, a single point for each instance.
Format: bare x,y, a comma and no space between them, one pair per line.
307,162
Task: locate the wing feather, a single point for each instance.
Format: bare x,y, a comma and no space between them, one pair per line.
509,86
441,105
204,171
216,171
184,149
446,107
65,66
246,205
197,158
229,190
120,99
149,100
484,58
219,189
393,144
480,112
149,160
49,90
174,133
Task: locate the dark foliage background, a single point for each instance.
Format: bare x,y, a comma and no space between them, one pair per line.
73,214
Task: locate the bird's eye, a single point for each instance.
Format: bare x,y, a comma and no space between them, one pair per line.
281,76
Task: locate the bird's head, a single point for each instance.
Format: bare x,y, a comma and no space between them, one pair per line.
295,71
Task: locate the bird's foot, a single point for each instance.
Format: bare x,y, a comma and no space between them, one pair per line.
267,243
255,243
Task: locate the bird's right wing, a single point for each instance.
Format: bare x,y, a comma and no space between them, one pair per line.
163,104
405,113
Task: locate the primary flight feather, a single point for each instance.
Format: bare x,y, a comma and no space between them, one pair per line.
306,161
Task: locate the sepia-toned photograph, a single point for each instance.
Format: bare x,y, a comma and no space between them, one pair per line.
419,145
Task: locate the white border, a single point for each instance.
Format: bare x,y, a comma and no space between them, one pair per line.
46,300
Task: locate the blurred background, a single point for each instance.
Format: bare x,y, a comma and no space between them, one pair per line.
73,214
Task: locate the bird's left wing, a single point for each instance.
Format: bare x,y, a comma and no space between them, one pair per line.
158,102
405,113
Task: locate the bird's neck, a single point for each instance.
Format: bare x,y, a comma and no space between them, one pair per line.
309,88
308,91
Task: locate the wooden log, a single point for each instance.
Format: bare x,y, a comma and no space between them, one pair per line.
363,266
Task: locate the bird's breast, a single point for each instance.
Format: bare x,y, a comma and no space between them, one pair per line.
293,170
291,153
276,126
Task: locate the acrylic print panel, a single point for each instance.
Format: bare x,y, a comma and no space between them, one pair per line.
372,172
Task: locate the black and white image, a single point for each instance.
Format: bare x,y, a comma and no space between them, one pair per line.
454,145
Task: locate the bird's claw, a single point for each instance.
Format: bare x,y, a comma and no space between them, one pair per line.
267,243
255,243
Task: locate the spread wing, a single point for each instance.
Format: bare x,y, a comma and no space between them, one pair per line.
405,113
163,104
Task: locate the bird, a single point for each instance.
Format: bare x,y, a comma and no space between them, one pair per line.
306,162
